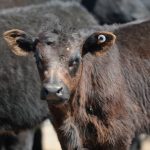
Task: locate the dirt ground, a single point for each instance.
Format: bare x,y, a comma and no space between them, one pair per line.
50,140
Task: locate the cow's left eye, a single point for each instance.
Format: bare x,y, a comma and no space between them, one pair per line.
101,38
73,65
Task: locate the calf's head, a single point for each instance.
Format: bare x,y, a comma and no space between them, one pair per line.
59,58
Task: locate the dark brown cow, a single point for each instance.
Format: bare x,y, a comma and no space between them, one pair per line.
97,83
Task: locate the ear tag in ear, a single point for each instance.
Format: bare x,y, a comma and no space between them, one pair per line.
98,43
102,38
104,41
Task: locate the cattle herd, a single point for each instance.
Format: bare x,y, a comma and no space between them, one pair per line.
84,64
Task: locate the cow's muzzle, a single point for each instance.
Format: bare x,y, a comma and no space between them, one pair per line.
55,93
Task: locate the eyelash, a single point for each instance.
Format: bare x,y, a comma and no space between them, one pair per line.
49,43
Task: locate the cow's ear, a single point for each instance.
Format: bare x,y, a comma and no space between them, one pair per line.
98,42
20,43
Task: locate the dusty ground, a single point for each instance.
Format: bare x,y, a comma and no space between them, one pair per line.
50,140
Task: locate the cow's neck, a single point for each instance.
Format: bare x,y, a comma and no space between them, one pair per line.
101,96
97,99
101,83
64,123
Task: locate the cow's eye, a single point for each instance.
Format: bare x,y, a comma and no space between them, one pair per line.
101,38
73,65
49,42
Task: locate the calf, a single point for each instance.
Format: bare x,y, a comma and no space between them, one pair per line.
20,104
96,83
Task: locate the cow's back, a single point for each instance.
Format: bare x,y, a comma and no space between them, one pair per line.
134,48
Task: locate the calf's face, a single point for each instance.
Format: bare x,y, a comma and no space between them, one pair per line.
58,62
59,58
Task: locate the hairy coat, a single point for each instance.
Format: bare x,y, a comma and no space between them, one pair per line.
120,11
105,77
16,3
146,3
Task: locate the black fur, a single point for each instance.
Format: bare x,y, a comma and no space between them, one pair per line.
120,11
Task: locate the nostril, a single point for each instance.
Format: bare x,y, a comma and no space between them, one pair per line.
45,92
59,91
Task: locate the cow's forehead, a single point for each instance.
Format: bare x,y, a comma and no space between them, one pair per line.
60,36
62,42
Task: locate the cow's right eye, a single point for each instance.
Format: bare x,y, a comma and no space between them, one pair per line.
49,43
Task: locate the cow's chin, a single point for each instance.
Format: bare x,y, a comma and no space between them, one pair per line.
56,100
53,102
59,101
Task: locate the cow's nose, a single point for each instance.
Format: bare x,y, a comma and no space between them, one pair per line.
55,93
54,90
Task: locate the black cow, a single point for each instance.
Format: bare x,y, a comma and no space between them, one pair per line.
146,3
117,11
95,82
